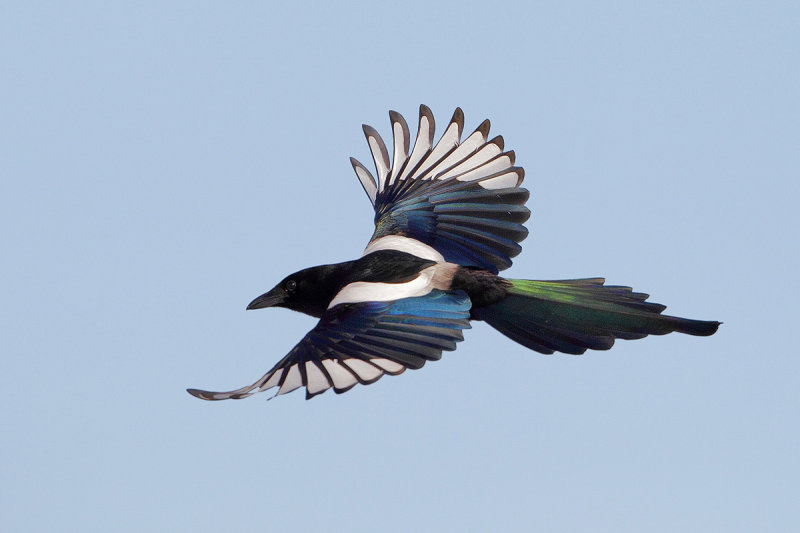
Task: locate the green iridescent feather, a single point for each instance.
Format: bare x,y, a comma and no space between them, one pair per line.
572,316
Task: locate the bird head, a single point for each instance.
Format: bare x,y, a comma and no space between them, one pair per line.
308,291
278,296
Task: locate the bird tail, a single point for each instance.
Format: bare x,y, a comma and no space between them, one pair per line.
574,315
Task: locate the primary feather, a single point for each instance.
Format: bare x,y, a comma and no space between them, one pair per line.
462,199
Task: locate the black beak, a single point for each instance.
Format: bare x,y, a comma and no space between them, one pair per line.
270,299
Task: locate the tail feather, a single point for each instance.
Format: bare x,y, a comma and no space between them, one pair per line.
572,316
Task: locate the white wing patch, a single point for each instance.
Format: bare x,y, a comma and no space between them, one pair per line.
404,244
401,140
389,366
365,291
449,140
366,179
317,382
379,154
366,372
339,374
466,149
272,381
493,166
447,158
503,181
343,374
342,377
424,140
293,380
481,156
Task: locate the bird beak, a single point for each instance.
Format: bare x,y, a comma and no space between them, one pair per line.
270,299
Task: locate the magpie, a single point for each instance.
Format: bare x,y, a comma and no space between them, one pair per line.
448,218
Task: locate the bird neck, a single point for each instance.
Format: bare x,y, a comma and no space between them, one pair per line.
321,284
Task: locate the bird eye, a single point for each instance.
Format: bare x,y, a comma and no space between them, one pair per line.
291,285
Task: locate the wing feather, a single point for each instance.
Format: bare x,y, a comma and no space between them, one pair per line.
379,154
359,343
446,145
426,195
402,137
366,179
423,143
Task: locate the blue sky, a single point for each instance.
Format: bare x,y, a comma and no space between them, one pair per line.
161,165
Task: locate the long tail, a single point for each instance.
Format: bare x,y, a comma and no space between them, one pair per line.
574,315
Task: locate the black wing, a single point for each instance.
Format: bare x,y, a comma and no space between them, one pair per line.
456,201
358,343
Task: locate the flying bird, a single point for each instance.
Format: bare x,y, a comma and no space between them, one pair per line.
448,218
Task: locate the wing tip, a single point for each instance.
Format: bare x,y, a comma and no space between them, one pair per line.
484,128
458,119
426,113
216,396
369,130
357,164
310,395
366,179
197,393
394,116
499,142
521,173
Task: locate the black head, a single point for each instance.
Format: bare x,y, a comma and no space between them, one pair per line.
308,291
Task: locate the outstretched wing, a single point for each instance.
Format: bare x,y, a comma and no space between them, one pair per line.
360,342
458,201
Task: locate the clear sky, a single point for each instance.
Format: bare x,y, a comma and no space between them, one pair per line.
163,163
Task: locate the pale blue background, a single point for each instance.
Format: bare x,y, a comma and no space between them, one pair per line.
164,163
